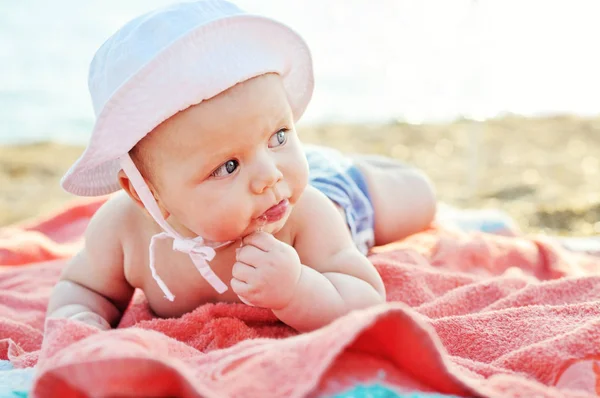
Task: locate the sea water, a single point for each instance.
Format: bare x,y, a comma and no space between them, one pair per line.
375,60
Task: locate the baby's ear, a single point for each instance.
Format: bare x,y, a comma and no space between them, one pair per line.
128,187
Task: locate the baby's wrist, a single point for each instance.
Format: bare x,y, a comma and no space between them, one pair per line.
296,291
315,302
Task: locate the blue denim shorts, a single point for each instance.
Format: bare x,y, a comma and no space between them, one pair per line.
340,180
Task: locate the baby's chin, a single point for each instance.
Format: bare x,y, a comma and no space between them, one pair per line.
234,234
274,227
270,228
224,237
215,237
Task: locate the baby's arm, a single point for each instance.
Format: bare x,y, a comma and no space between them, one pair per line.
336,277
92,287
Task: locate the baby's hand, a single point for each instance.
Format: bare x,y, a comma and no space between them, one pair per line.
92,319
266,271
80,313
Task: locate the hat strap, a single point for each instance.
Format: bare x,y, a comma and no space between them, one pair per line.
199,252
143,192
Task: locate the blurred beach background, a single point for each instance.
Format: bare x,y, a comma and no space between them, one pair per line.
498,101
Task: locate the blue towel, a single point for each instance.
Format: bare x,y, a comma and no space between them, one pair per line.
379,391
14,383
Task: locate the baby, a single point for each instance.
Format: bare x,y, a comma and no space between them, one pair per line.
195,111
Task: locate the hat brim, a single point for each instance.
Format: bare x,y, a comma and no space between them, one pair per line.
234,49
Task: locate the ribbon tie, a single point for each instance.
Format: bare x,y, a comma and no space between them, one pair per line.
195,248
200,255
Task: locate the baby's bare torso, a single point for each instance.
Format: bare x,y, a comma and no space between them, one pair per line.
175,268
312,258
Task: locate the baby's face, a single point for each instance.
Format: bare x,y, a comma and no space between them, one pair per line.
230,165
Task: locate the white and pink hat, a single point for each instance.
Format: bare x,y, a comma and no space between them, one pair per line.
164,62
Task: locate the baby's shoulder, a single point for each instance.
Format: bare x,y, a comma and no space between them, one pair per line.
114,219
320,231
312,209
313,201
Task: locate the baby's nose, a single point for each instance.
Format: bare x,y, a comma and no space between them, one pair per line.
266,176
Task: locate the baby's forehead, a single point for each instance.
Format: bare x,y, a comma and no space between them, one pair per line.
256,103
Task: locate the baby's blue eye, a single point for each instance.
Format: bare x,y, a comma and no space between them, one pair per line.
226,168
278,139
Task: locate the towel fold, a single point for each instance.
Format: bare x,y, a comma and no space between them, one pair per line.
467,314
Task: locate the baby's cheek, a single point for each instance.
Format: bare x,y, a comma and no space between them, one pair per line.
225,222
299,177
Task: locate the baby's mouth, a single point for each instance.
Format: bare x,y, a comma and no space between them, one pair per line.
275,213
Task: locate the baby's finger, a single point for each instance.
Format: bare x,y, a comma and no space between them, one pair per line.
261,240
250,255
240,288
242,272
245,301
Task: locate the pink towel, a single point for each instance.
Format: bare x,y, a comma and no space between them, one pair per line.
467,314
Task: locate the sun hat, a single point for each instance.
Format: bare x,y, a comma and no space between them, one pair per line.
169,59
163,62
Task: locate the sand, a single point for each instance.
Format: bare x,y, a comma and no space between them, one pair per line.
544,172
